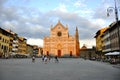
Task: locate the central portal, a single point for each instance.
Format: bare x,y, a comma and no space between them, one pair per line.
59,53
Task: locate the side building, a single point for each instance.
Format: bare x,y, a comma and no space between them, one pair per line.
108,41
99,42
22,45
88,53
5,43
11,44
111,38
30,49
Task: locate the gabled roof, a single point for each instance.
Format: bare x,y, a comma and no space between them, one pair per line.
59,24
84,47
101,31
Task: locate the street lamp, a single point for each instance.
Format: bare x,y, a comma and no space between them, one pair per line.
115,9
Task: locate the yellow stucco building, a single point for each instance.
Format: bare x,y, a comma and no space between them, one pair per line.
98,38
5,40
99,42
60,43
22,45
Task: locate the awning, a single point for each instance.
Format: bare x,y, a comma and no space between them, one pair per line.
112,53
12,54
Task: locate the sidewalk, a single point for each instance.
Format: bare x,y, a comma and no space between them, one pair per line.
117,66
114,65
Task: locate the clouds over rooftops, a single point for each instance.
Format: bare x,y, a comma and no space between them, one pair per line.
31,22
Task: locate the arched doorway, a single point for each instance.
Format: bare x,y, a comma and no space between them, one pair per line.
71,54
59,53
59,48
47,53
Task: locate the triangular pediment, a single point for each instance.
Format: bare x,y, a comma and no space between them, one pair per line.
59,26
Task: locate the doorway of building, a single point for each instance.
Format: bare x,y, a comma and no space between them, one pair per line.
71,54
47,53
59,53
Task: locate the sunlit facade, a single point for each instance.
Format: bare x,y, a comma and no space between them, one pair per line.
5,46
60,43
99,38
22,45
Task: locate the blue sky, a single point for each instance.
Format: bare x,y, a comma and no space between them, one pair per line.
33,18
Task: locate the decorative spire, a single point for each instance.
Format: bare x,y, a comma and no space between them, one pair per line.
58,21
51,27
76,28
76,34
66,26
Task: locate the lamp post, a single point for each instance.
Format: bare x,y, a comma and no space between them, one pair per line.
115,9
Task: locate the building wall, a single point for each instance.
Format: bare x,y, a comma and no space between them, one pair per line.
11,43
0,44
15,46
114,39
106,42
39,52
87,53
110,38
99,42
4,43
22,45
29,49
60,43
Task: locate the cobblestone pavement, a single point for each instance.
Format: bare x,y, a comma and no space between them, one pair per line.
66,69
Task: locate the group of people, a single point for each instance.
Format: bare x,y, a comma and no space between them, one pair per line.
46,58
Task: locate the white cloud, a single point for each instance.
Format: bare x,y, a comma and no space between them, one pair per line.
32,23
88,42
34,41
61,7
79,4
8,25
100,22
86,12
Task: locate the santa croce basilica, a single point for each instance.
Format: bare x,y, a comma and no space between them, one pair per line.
60,43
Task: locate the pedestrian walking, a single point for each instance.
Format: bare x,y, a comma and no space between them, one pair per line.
56,59
45,59
49,58
33,59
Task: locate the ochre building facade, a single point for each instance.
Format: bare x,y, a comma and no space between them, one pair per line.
60,43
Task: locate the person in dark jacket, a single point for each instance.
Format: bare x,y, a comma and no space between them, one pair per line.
56,59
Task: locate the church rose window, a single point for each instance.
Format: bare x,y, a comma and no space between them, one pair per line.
59,33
